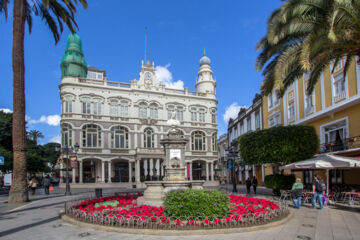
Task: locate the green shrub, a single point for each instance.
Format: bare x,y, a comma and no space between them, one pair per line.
196,203
283,144
279,182
111,203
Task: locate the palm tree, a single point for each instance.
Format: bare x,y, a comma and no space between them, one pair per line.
35,135
55,13
308,36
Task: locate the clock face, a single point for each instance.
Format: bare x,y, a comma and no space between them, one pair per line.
147,75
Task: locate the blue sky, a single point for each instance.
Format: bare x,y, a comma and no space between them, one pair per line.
112,32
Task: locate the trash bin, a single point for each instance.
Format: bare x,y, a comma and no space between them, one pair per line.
98,192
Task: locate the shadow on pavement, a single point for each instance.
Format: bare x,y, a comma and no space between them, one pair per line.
21,228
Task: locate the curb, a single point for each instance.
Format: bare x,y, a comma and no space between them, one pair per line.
162,232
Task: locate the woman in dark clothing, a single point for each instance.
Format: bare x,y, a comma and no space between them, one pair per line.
248,185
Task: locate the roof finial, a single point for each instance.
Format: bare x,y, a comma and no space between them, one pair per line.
204,52
145,42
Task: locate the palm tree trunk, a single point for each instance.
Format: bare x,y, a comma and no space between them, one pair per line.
18,192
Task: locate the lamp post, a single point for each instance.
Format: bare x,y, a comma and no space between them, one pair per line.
232,154
66,150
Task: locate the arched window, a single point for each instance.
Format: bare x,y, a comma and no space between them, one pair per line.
148,138
124,108
142,110
153,111
66,135
198,141
67,104
97,106
91,136
119,137
180,113
114,108
85,105
214,142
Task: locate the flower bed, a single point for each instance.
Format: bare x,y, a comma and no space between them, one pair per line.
244,211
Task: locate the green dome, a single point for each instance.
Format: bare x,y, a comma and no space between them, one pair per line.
73,63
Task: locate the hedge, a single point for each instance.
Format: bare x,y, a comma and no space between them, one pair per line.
279,182
196,204
283,144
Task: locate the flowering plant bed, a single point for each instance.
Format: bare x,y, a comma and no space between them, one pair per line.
123,211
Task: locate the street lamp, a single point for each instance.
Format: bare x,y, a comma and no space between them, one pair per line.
66,150
232,154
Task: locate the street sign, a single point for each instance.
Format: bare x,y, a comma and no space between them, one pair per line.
2,160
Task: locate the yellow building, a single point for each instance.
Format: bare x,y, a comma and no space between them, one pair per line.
333,108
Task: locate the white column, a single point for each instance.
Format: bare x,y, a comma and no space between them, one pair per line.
102,171
246,172
253,167
207,171
109,172
263,173
186,176
137,171
157,167
191,178
145,168
81,172
73,175
212,171
151,172
130,173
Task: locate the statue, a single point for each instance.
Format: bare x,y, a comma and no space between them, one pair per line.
173,121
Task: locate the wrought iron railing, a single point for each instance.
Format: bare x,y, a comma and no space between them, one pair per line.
340,145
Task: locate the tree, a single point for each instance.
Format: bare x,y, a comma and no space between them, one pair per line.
283,144
306,36
34,135
55,13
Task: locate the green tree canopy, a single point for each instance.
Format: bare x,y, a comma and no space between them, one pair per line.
305,36
283,144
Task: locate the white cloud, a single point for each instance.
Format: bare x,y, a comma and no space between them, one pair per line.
6,110
232,111
164,76
56,139
52,120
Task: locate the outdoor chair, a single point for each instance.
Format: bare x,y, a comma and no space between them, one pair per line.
285,195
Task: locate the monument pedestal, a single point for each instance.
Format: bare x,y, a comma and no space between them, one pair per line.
174,146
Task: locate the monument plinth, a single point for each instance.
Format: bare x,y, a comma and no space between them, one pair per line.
174,174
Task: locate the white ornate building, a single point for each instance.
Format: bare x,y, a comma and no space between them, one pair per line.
119,125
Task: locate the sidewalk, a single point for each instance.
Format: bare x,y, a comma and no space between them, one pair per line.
39,220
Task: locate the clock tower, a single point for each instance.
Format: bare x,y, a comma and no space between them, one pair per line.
147,75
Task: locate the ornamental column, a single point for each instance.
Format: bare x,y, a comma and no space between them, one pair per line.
130,173
137,171
263,174
102,171
191,177
186,167
81,171
157,167
145,168
207,171
109,171
212,171
73,175
151,172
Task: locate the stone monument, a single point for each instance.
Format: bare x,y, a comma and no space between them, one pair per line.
174,174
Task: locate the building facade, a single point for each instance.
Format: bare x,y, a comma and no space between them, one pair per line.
119,125
222,145
333,109
248,119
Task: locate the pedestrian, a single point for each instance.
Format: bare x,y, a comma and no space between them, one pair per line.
32,185
317,191
297,191
46,184
248,185
254,183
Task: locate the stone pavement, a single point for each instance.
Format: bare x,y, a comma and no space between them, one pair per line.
39,220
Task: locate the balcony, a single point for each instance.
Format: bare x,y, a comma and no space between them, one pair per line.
339,97
345,144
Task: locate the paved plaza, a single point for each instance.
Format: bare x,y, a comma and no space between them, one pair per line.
39,219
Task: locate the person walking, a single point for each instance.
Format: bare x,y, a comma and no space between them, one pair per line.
317,191
32,185
46,184
297,191
248,185
254,183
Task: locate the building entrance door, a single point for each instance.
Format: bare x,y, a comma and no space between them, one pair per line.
121,172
